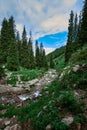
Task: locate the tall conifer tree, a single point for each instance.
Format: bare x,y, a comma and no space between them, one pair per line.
70,38
83,32
31,53
4,41
12,56
24,50
37,54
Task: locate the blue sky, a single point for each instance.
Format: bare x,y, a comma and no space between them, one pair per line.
48,19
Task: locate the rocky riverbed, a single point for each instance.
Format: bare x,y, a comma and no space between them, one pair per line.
19,95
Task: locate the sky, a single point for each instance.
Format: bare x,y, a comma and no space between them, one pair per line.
47,19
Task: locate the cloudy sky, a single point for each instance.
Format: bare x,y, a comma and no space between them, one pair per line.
47,19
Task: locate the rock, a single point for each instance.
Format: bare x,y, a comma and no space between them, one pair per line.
7,128
48,127
15,127
61,75
76,68
68,120
39,113
7,123
1,123
19,78
78,126
45,107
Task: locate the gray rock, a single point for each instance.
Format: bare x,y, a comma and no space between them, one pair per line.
76,68
7,122
68,120
48,127
7,128
15,127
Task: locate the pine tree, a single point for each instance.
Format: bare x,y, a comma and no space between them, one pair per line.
12,59
4,41
1,69
51,61
37,54
31,53
45,65
24,50
41,55
18,43
12,55
83,32
69,48
75,29
11,28
79,30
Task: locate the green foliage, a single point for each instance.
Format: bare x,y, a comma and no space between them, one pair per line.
59,63
80,56
4,41
69,100
80,118
25,75
57,53
68,51
12,59
83,32
59,126
24,57
1,72
31,53
51,61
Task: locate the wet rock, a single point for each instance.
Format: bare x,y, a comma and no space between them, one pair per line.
68,120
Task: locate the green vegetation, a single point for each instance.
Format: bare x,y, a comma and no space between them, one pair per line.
58,99
25,75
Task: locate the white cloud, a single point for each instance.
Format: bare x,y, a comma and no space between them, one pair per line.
42,16
19,27
49,50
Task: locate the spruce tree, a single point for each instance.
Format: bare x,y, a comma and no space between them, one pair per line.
12,59
41,55
24,50
11,28
4,42
18,43
31,53
75,29
12,55
1,69
69,48
79,27
37,54
83,32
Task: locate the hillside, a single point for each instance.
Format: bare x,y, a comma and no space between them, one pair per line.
62,105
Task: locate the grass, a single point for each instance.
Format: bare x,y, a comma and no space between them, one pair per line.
25,75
